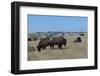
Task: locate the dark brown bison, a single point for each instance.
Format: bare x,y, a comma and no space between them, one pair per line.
54,41
57,41
43,43
78,39
82,34
29,39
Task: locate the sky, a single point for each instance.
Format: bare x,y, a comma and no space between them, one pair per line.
45,23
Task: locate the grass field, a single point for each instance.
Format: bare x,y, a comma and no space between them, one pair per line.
70,51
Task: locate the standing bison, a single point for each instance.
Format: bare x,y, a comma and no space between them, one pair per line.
51,42
57,41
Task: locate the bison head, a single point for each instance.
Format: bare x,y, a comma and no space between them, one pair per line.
38,48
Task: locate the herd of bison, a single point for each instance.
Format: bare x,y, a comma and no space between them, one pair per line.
51,42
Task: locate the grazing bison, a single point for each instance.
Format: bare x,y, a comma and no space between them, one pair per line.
43,43
78,39
54,41
57,41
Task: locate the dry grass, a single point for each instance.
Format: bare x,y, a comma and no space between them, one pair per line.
70,51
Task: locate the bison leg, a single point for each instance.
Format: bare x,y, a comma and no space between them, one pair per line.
51,46
59,46
64,44
44,47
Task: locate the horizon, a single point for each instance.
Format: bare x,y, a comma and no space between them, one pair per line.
56,32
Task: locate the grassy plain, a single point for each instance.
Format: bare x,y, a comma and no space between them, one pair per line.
70,51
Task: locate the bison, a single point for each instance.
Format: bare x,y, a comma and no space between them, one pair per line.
78,39
29,39
58,41
82,34
43,43
51,42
